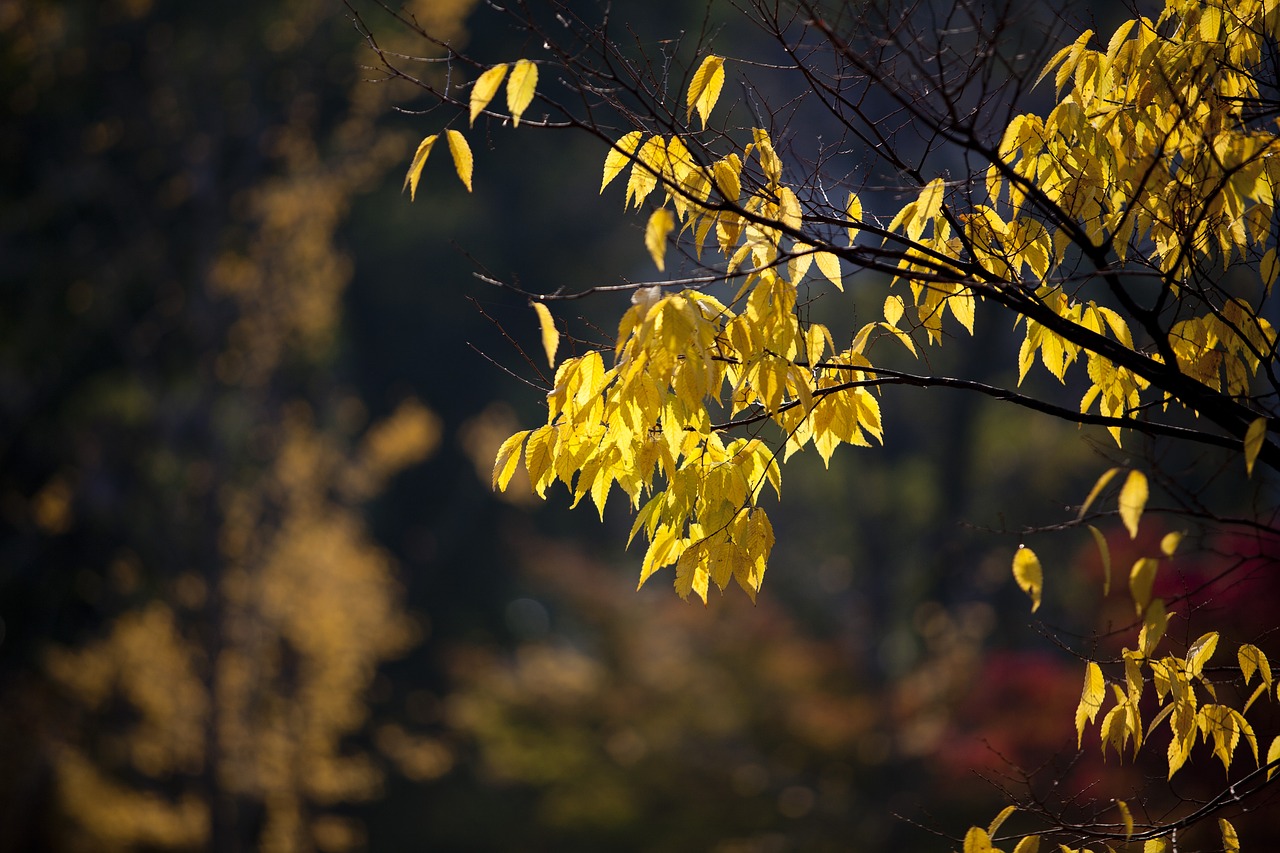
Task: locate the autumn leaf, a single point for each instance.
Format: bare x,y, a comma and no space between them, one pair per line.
461,152
1254,438
661,221
1090,699
1133,499
1028,574
507,460
419,160
550,334
486,86
704,89
520,89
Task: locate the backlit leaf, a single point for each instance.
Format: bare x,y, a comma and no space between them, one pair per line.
704,89
829,265
1028,574
520,89
1254,438
1127,817
461,152
1273,757
1096,490
999,819
550,334
1133,500
661,221
1169,543
504,466
1090,698
1230,841
976,840
1030,844
1141,578
1104,553
618,157
486,86
419,160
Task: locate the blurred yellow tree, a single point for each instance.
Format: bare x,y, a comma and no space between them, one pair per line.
176,450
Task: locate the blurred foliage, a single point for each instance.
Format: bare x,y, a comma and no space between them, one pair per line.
194,609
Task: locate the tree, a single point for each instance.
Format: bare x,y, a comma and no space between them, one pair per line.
193,605
1124,225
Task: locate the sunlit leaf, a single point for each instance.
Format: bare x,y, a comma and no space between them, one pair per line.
461,152
976,840
486,86
618,157
1141,578
661,221
1230,841
1104,553
550,334
419,160
999,819
1091,698
1028,574
1096,490
508,459
1133,500
1030,844
1254,438
704,89
520,89
1127,817
1169,543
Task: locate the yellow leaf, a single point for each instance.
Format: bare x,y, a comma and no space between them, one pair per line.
1154,845
419,160
1200,652
726,176
704,89
520,89
1141,577
1000,819
1028,574
1169,543
1230,841
1252,659
550,334
1104,551
853,212
618,157
829,265
976,840
1254,438
893,308
1090,699
1030,844
1133,499
504,466
1127,817
538,458
1273,757
660,224
1096,490
485,88
1269,268
461,152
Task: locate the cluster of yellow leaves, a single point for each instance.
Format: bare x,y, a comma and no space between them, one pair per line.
521,87
1146,150
645,423
1186,698
980,840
